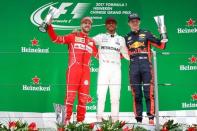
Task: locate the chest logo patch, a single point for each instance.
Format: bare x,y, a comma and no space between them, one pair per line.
90,43
80,39
142,35
136,45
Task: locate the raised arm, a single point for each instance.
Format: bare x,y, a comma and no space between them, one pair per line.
155,41
58,39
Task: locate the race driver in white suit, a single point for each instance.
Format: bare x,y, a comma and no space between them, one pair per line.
110,47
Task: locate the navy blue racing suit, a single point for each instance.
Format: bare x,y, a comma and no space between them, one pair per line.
141,74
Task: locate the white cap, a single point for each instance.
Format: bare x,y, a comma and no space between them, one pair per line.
86,18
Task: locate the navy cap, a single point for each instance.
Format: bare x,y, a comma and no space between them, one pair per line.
110,19
133,16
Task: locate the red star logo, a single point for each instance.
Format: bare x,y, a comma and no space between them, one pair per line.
34,42
190,22
193,59
194,97
36,80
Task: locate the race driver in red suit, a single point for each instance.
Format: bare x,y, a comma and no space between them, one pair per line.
80,50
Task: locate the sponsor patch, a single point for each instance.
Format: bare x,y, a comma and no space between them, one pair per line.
129,38
104,39
117,42
80,39
89,49
79,46
86,82
142,35
136,45
90,43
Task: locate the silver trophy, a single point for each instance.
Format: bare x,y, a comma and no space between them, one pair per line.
161,25
48,19
60,111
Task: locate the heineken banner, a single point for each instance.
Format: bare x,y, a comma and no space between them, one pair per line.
33,69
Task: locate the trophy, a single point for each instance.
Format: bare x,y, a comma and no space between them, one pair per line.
60,111
52,11
161,25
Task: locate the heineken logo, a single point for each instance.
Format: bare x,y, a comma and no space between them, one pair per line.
34,42
36,85
93,68
90,107
194,97
191,22
33,47
190,27
191,104
36,80
192,60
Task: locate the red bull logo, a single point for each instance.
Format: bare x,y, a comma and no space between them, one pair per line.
136,45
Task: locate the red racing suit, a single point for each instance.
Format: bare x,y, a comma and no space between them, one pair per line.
80,50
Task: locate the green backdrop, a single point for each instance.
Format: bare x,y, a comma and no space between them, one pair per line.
32,68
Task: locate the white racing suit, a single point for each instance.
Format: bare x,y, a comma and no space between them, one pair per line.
109,74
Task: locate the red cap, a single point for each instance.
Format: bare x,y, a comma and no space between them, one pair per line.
110,19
